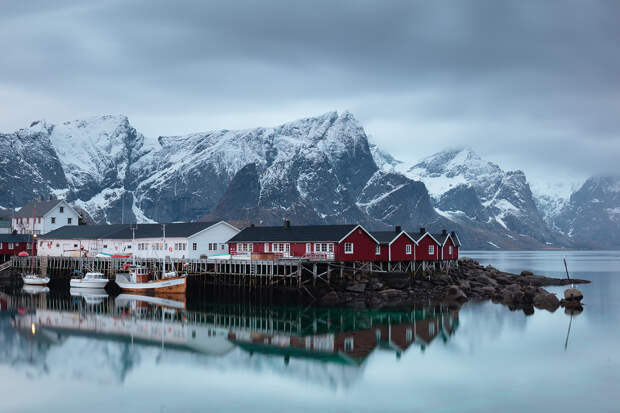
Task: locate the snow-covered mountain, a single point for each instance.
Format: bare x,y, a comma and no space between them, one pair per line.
314,170
592,215
477,193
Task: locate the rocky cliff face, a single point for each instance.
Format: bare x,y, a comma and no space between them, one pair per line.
314,170
592,215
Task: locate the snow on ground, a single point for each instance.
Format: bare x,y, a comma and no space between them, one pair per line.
492,244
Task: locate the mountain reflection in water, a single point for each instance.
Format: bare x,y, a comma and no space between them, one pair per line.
120,333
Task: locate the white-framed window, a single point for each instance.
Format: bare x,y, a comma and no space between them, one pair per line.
317,247
0,245
62,209
431,249
409,334
245,247
104,245
378,250
11,245
308,248
222,246
450,249
408,249
431,329
194,246
348,248
53,220
330,248
280,247
69,220
348,344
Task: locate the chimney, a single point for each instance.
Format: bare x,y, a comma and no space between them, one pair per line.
444,232
452,233
252,225
287,224
422,230
50,198
398,229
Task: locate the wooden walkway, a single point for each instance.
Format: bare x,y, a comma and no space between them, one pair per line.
283,272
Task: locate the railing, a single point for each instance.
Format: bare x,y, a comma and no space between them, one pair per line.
6,265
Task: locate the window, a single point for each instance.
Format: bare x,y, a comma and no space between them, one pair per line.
74,245
378,334
40,244
450,249
10,245
69,220
330,248
408,249
266,247
222,246
244,247
29,246
317,247
128,247
104,245
53,220
348,248
62,209
308,248
378,250
0,245
194,246
408,334
348,344
431,249
431,329
39,220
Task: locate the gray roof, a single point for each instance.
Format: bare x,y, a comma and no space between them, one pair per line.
385,237
15,238
300,233
40,208
123,231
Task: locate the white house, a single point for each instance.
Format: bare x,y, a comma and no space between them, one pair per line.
44,216
181,240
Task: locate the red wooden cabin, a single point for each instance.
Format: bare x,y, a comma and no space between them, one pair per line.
13,244
321,242
395,245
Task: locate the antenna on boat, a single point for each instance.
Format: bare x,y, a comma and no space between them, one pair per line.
133,241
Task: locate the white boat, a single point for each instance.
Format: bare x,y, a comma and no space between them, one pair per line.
140,279
35,279
90,280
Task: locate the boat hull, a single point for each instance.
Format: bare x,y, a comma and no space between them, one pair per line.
168,285
36,280
81,283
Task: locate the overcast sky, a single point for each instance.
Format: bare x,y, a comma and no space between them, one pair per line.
533,85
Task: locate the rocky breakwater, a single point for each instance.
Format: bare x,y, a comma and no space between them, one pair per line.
470,281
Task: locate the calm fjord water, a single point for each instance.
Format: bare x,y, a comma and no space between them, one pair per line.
63,353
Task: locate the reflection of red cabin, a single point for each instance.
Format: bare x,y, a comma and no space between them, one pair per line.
13,244
327,242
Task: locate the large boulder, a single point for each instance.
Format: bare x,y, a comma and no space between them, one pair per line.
454,293
572,294
526,272
330,298
357,288
546,301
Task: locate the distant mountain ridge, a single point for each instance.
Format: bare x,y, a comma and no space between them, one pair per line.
315,170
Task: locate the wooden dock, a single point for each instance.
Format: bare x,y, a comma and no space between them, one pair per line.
281,272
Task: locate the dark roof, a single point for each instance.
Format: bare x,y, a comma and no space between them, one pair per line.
299,233
441,238
385,237
41,208
123,231
15,238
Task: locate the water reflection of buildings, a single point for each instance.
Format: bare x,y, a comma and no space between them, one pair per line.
243,334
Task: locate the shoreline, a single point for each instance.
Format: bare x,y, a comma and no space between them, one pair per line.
469,282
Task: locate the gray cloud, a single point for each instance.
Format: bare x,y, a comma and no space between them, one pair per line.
535,85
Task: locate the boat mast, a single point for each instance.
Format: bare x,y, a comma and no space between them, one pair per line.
163,262
133,247
32,240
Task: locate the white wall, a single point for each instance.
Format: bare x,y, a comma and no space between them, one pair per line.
46,225
219,234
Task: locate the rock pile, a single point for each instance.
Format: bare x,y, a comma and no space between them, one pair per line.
470,281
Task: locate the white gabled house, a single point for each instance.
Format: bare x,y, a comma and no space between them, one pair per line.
182,240
45,216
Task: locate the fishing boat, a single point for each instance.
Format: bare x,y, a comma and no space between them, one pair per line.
141,279
91,279
31,278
